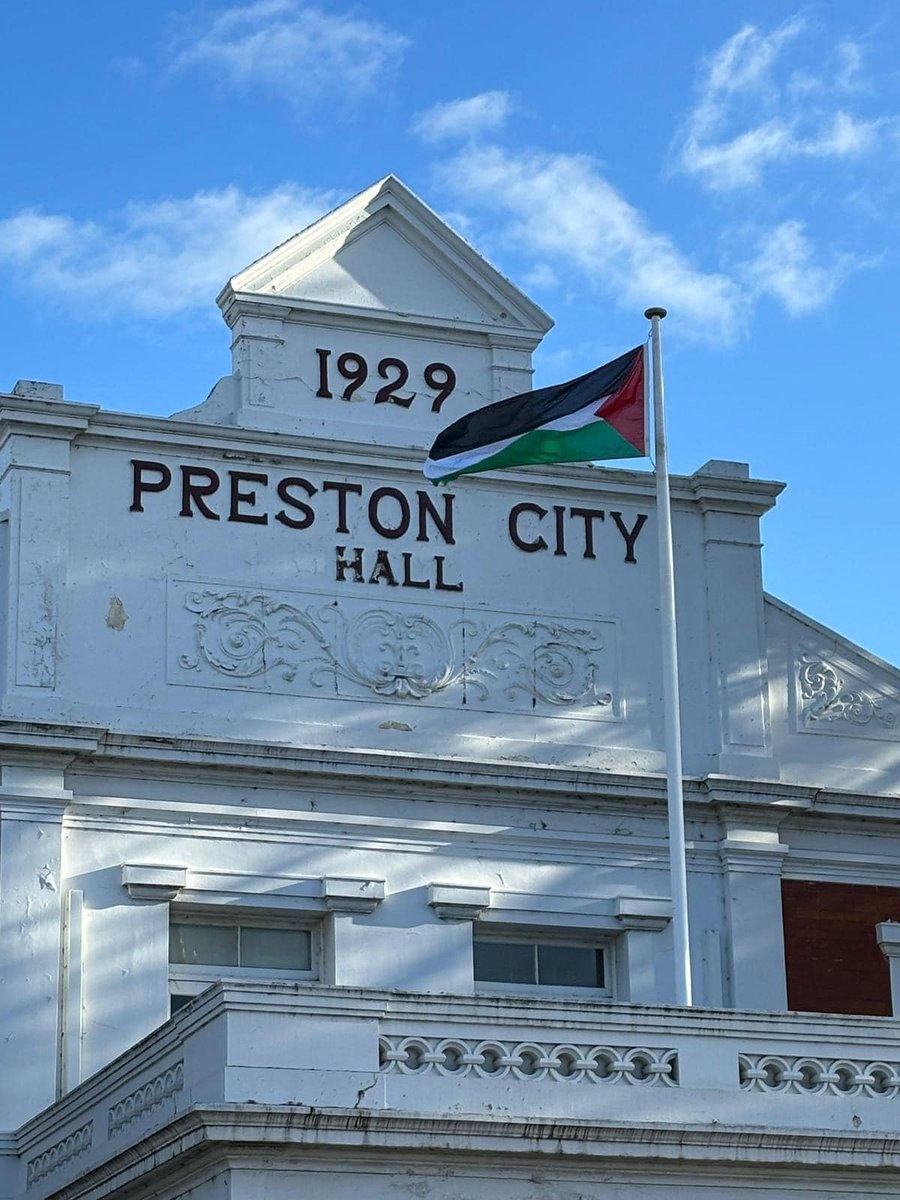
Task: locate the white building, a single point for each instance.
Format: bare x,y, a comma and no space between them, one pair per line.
375,771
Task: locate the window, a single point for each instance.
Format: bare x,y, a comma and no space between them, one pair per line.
206,947
526,964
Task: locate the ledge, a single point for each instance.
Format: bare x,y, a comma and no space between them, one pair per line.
458,777
888,936
568,1151
343,895
417,1133
453,903
147,882
650,913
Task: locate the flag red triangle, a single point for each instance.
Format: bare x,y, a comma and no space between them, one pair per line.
624,409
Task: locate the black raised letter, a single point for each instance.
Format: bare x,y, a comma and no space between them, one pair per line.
239,497
383,570
444,525
388,531
589,516
284,494
514,514
439,583
354,564
343,490
559,514
408,580
195,492
139,485
631,535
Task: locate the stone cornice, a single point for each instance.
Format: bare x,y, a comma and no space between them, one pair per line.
171,435
726,791
20,740
217,1132
518,1136
44,418
235,305
753,856
170,757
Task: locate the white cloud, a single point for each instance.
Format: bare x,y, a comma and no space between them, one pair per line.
749,118
743,64
295,50
844,137
784,267
541,275
560,209
739,162
153,260
463,118
848,57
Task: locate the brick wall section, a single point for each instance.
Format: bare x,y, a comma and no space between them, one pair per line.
832,959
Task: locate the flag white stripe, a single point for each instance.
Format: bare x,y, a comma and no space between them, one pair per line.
435,468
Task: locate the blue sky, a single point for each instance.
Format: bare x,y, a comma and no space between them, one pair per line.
736,163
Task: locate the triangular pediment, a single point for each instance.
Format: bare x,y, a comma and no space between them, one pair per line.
384,252
837,687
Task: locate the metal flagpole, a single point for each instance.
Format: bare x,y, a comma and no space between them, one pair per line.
674,786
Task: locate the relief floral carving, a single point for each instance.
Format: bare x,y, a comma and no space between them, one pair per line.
408,655
826,697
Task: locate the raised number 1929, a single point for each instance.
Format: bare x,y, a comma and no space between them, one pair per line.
355,370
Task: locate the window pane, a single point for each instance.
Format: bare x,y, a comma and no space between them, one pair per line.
286,949
504,962
177,1002
570,966
203,945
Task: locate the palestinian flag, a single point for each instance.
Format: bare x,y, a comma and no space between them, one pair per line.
599,415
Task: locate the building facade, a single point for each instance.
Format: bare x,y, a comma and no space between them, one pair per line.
332,805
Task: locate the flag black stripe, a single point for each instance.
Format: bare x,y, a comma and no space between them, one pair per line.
529,411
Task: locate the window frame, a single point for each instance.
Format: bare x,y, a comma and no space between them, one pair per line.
187,980
547,937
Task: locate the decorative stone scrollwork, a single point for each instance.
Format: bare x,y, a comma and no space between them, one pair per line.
166,1084
815,1076
826,697
57,1156
246,634
529,1060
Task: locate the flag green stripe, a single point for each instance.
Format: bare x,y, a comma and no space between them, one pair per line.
588,444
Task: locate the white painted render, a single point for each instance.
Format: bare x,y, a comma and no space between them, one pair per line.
210,713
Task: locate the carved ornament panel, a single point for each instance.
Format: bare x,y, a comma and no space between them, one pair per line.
303,644
830,699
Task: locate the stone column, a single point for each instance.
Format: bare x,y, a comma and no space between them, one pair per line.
260,365
752,856
35,466
643,950
33,801
511,370
126,959
734,595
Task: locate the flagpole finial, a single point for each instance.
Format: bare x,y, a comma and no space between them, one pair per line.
654,312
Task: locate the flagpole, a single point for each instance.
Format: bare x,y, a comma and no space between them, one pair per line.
672,708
